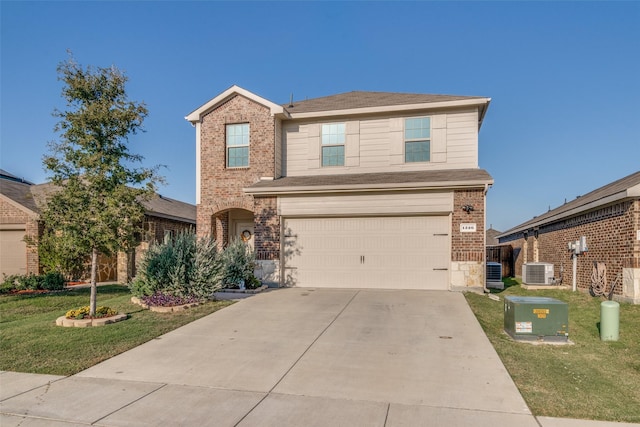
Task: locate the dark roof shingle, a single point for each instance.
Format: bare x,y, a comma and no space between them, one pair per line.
596,195
432,177
359,99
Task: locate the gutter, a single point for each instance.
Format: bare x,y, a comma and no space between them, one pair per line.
291,190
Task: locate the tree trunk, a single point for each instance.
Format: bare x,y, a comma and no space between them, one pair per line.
94,286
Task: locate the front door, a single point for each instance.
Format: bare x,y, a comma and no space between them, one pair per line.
244,232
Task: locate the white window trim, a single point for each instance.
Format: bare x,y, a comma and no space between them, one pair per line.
405,139
227,146
343,144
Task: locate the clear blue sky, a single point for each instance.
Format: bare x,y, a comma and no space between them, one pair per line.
564,78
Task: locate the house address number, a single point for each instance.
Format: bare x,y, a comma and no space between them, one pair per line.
468,227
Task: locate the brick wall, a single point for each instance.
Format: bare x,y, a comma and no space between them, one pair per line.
468,246
467,249
267,229
9,214
221,187
611,234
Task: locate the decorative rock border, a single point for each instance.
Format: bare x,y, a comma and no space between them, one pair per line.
84,323
161,309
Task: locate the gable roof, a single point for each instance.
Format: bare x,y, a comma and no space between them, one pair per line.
432,179
624,188
29,197
196,115
19,194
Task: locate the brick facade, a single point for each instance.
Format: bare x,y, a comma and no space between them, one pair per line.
222,198
468,248
611,233
221,187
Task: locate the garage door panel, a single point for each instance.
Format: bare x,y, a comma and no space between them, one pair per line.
368,252
13,252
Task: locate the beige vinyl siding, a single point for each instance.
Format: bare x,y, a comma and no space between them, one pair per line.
462,138
377,144
406,203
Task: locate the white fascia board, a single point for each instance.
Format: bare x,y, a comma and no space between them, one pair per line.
233,90
366,187
392,108
198,163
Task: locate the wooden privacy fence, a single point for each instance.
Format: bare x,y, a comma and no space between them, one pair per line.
504,255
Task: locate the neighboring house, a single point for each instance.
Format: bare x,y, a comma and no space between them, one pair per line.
20,214
492,236
360,189
608,217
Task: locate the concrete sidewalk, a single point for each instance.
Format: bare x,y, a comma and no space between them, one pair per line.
294,357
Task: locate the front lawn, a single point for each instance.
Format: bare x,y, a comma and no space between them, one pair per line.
30,341
589,380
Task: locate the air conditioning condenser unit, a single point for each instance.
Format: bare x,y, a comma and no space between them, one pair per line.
537,273
494,275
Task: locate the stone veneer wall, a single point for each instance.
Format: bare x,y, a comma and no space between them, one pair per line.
612,238
468,249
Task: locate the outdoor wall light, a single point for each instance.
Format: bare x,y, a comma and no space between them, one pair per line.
467,208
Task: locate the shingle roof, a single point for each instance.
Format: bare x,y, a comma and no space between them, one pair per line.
595,198
31,196
436,178
165,207
360,99
20,193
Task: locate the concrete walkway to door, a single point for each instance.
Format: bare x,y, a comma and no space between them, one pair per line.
293,357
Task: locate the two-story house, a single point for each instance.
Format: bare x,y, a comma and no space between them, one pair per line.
355,190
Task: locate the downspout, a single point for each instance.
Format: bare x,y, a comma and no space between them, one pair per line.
484,262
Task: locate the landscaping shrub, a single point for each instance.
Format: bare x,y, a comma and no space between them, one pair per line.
238,266
185,267
52,281
188,267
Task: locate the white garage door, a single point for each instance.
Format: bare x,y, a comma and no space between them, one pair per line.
13,252
366,252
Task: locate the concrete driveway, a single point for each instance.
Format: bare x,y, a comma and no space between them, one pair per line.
295,357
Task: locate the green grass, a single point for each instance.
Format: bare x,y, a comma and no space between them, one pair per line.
589,380
30,341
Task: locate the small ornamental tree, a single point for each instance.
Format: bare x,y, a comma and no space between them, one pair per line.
96,206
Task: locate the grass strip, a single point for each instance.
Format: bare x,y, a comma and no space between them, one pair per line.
31,342
591,379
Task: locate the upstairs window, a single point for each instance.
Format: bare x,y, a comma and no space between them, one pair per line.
417,139
238,145
333,144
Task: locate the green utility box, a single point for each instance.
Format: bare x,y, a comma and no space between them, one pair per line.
536,319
